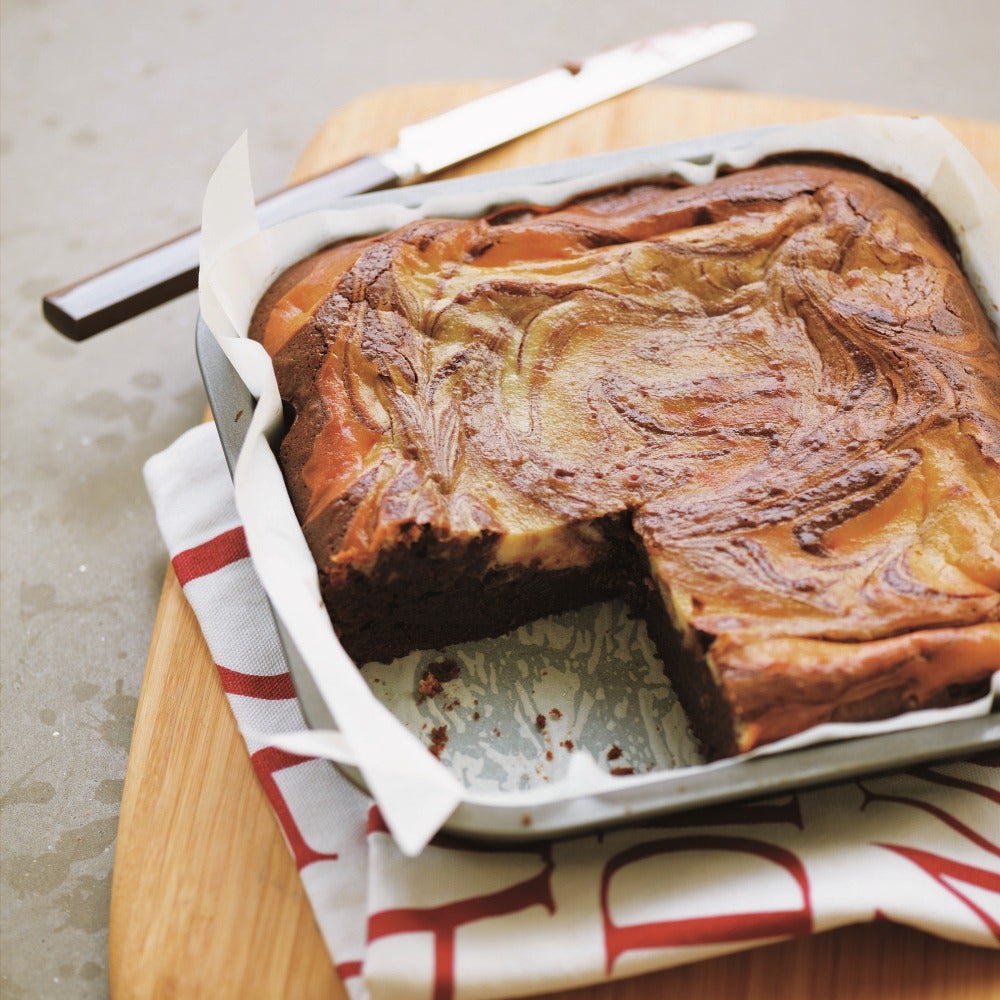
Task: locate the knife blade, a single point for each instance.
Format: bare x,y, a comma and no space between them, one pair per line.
169,270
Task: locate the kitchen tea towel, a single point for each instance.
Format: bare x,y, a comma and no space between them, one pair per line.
465,920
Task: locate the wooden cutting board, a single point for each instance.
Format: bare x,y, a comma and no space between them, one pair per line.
206,901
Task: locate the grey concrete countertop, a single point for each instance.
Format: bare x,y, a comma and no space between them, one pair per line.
114,115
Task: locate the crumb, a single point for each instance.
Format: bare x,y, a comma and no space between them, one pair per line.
496,730
615,752
567,744
439,740
428,686
540,720
620,771
526,819
475,716
437,675
548,755
555,714
445,670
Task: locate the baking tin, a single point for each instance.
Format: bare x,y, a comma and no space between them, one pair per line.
522,817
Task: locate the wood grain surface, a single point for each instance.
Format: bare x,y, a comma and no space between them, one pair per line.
206,901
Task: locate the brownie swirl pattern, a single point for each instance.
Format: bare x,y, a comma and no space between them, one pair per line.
777,391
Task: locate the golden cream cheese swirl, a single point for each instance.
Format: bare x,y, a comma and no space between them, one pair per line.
781,380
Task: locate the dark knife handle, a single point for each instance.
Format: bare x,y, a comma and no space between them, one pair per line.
159,275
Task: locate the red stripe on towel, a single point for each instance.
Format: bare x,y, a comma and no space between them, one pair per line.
347,969
222,550
270,687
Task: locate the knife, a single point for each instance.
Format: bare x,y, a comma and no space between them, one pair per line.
126,290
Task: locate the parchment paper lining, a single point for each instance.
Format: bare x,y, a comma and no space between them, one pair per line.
544,706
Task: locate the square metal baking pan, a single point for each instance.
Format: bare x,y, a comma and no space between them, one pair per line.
671,790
